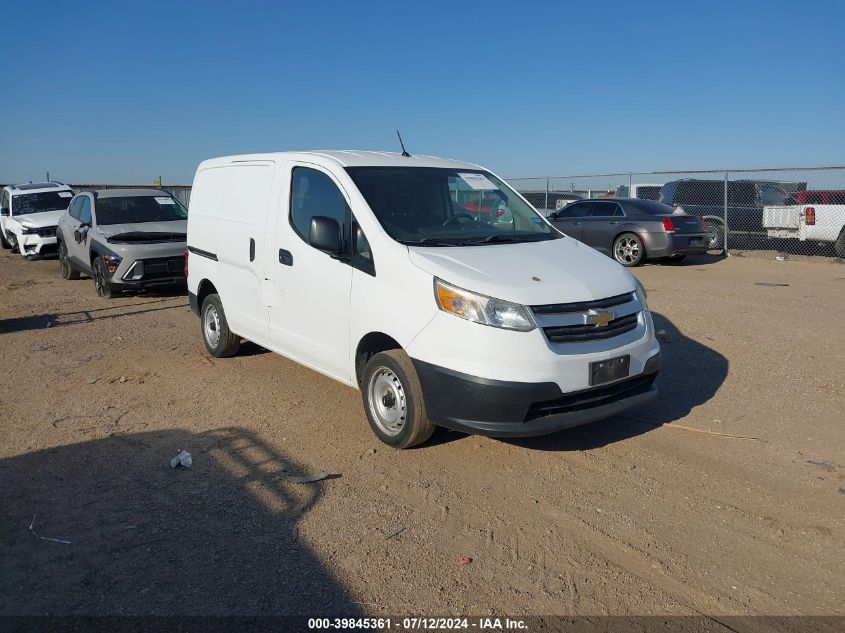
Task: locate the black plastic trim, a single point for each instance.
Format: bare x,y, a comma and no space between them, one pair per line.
202,253
510,409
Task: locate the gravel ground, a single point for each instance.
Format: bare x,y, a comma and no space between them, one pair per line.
725,496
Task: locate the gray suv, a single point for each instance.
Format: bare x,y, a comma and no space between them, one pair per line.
124,239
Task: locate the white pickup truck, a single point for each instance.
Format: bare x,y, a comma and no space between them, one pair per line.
807,222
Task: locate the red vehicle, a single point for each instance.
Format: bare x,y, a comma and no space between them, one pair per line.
492,210
816,197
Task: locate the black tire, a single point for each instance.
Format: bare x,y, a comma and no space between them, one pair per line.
391,376
716,232
4,241
13,243
629,250
839,245
101,280
226,343
65,267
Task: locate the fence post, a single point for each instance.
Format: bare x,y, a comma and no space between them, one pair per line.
725,217
547,194
630,185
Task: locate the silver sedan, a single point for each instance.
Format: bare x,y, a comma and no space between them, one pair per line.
632,230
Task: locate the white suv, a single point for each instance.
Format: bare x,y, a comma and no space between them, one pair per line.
367,267
29,215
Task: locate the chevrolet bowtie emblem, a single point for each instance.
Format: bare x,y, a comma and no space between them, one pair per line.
601,319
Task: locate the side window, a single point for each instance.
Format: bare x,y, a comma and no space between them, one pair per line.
814,198
85,210
604,209
75,205
313,193
578,210
769,194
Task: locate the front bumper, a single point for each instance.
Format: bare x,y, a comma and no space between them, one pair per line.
34,244
145,272
517,409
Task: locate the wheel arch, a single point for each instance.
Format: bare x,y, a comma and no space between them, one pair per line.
205,288
371,344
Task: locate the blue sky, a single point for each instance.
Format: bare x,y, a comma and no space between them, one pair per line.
127,91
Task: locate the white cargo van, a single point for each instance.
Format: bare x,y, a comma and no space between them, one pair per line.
366,267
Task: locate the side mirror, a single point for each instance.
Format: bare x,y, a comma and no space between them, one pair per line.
4,211
80,233
324,235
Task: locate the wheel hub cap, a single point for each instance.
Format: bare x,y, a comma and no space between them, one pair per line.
211,326
386,396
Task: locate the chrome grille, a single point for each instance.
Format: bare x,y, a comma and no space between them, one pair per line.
573,322
574,333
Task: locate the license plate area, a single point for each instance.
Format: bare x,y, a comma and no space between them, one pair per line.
695,241
602,371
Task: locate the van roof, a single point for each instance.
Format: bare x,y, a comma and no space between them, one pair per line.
347,158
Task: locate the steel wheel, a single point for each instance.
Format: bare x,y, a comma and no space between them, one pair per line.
388,406
627,250
211,326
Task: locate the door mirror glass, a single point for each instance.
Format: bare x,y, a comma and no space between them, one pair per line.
324,235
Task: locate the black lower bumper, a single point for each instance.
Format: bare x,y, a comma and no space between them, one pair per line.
123,284
192,300
518,409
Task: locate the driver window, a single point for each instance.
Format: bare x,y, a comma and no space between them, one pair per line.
85,210
74,207
313,193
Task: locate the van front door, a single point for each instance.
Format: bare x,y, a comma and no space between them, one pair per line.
309,311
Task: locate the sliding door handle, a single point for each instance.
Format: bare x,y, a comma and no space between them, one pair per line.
251,250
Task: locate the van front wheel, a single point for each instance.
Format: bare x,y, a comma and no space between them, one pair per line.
393,400
219,340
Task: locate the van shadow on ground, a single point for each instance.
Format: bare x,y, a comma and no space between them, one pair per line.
217,539
691,374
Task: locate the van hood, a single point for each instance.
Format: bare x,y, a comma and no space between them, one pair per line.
172,231
40,220
531,273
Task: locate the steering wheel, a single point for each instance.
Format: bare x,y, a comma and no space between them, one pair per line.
457,218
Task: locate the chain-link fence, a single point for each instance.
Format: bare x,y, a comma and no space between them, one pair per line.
798,210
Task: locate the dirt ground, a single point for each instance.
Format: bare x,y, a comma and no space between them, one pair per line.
725,496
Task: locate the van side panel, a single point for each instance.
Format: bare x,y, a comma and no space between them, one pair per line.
227,219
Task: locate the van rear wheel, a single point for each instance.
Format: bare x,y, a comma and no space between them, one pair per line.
219,340
393,400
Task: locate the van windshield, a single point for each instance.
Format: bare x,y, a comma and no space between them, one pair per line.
135,209
429,206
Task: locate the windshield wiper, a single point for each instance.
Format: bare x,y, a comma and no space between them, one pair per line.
505,239
429,241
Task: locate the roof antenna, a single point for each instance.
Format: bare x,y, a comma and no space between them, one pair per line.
404,151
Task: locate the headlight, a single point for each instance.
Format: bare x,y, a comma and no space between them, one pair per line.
27,230
112,262
481,309
642,295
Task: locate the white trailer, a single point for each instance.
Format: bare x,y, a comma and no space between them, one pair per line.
807,222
